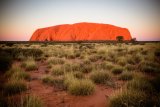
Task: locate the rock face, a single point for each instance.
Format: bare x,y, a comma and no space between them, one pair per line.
80,31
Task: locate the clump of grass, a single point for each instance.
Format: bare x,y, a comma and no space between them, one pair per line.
100,77
117,70
47,79
126,76
76,67
81,87
122,61
129,98
17,73
14,87
94,58
55,61
56,82
140,84
78,75
21,75
148,66
78,86
57,71
29,64
130,67
32,101
23,101
86,61
86,68
105,66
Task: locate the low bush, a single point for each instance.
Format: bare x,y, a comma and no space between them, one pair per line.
100,77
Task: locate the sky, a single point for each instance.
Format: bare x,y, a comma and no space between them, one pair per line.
20,18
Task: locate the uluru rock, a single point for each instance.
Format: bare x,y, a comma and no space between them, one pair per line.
80,31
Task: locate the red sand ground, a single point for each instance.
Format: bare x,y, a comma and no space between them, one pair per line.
80,31
53,97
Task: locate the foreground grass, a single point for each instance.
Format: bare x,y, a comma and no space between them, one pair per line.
78,86
29,64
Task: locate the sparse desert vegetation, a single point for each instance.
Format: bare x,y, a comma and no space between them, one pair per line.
62,74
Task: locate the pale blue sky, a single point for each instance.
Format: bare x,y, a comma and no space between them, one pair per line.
20,18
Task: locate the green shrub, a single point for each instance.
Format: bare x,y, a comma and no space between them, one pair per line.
126,76
14,87
100,77
129,98
29,64
117,70
81,87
